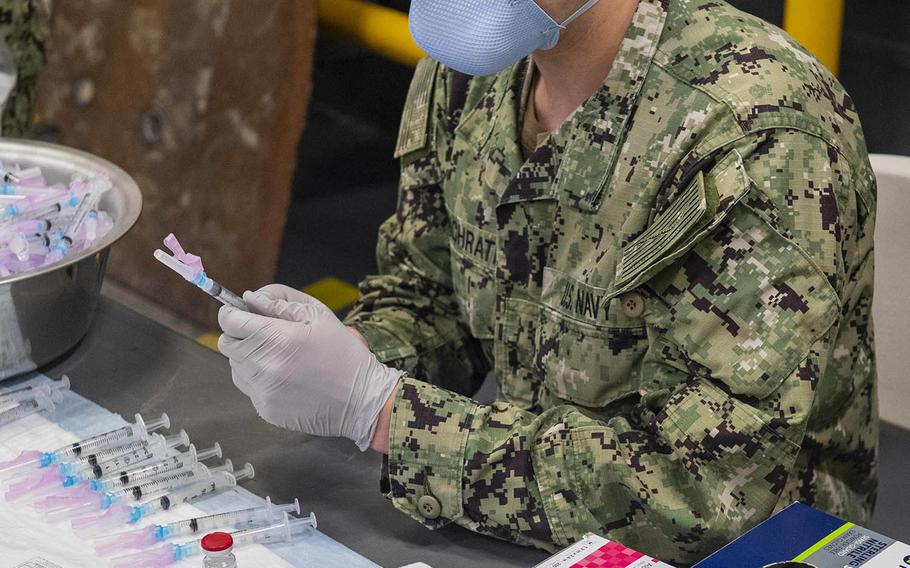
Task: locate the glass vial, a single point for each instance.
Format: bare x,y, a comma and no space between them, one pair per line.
218,549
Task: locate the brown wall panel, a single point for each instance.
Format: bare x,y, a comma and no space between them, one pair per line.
203,102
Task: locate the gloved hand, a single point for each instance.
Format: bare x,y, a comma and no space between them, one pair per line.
302,368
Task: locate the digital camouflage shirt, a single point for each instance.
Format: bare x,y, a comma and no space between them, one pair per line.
674,293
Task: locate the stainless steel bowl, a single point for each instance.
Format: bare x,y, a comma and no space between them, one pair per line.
44,313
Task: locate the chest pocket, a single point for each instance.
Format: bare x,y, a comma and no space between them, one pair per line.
588,349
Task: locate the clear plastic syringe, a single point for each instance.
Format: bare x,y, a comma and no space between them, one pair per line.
41,403
154,534
166,555
66,507
28,227
32,392
137,453
24,191
217,482
38,209
140,470
202,281
154,448
30,460
62,240
121,514
127,478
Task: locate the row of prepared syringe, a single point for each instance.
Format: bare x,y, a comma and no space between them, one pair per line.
122,476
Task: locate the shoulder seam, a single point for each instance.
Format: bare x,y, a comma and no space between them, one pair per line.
702,90
820,135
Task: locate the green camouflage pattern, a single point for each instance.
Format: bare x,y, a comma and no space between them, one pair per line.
24,27
673,292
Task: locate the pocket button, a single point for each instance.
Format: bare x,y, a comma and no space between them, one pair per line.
633,305
429,507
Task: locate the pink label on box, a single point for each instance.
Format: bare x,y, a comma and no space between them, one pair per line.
610,555
595,551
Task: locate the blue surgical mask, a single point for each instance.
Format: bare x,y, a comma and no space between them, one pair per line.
482,37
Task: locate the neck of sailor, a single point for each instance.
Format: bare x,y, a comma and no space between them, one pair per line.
576,67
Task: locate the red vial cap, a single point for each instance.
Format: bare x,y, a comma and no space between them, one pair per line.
217,541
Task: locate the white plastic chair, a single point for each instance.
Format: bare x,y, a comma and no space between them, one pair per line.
891,305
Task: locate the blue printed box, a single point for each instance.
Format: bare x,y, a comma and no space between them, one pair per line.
802,537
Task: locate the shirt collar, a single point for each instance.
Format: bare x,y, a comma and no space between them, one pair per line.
592,135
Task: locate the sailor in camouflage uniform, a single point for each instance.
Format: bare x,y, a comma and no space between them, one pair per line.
673,291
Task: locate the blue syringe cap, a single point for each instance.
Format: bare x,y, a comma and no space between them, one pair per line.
108,499
181,551
136,516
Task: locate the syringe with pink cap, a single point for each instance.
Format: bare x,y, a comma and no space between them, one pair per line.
91,503
283,531
154,448
38,208
190,267
155,534
128,478
121,513
83,450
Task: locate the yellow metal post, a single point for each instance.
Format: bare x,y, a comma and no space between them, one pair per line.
817,25
380,29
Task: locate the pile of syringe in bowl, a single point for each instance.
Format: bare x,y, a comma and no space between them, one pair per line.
42,223
117,478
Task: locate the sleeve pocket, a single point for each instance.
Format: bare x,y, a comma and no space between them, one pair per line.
744,306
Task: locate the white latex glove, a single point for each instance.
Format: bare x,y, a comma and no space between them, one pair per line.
302,368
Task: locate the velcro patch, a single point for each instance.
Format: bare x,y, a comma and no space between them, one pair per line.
413,132
697,210
668,229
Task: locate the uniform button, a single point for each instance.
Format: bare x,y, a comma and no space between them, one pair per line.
633,305
429,507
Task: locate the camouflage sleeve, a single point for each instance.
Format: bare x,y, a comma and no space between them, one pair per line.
407,312
24,27
740,327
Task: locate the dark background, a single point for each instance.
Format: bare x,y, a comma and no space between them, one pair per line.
345,184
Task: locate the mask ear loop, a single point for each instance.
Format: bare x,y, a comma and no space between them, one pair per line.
557,27
553,32
584,8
